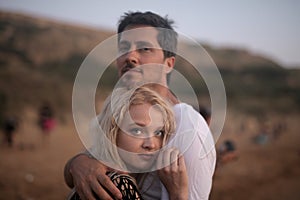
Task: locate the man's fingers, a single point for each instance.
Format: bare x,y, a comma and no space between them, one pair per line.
90,179
85,193
109,169
100,192
109,185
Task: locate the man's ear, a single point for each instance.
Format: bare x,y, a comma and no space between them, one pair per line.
170,62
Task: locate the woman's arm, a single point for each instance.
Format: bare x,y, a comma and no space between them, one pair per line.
174,175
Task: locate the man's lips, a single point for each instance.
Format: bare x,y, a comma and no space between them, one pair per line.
132,69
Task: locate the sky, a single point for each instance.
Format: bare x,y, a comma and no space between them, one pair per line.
267,27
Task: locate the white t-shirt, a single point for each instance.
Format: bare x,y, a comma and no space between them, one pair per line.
194,139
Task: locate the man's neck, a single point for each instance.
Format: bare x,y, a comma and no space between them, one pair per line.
165,92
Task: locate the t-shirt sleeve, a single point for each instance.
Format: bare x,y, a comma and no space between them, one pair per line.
194,139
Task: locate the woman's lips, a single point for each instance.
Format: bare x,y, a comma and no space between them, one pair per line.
147,156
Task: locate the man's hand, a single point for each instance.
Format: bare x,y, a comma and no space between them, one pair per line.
173,175
88,176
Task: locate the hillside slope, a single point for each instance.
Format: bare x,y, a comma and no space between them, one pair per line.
39,59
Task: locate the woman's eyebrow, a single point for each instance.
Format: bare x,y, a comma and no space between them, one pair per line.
137,124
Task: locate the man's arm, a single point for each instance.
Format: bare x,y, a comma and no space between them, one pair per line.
194,139
67,174
87,175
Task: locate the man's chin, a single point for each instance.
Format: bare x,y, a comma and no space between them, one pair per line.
132,82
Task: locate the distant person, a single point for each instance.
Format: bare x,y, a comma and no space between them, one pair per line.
10,125
263,136
206,114
226,152
278,129
46,119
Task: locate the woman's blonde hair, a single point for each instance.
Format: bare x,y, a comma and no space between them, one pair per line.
115,107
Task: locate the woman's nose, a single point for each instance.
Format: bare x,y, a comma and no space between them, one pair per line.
149,143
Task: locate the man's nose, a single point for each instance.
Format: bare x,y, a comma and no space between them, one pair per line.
132,57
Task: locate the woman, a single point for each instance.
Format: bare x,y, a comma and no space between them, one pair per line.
133,129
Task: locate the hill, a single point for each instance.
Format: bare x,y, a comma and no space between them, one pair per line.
39,59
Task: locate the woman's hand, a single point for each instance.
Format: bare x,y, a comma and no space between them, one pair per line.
173,174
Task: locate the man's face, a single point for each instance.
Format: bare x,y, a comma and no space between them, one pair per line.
139,47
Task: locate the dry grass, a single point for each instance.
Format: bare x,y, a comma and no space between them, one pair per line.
35,171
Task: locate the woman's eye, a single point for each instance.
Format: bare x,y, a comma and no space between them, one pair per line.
135,131
160,133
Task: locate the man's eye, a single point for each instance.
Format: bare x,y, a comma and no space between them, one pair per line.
145,49
123,49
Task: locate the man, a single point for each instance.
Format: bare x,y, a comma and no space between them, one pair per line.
147,38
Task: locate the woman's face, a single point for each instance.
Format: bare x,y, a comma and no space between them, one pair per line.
141,134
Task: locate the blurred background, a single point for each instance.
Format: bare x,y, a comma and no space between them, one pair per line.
255,45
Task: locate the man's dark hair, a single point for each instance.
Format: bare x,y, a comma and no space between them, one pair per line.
167,37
